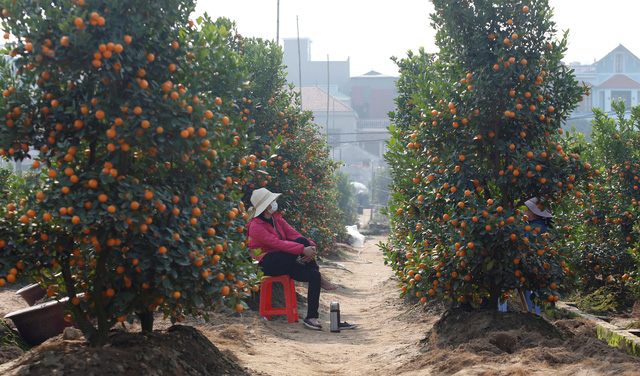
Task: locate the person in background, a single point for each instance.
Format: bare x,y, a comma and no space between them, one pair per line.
280,249
538,216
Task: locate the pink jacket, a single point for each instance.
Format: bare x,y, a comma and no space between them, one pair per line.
263,238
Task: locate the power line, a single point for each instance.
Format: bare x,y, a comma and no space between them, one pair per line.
357,142
351,133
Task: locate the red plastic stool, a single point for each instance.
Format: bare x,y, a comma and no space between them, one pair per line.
291,309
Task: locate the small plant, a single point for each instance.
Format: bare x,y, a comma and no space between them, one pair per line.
555,313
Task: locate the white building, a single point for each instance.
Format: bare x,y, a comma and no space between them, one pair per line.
616,76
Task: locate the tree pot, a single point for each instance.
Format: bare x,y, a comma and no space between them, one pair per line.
32,293
40,322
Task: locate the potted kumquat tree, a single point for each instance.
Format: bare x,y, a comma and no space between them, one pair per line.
133,109
476,134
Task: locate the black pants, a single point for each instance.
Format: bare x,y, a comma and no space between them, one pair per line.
280,263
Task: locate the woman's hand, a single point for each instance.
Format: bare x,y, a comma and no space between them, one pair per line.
308,254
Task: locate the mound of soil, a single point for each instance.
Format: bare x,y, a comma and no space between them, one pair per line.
490,342
12,346
8,353
506,331
180,350
607,299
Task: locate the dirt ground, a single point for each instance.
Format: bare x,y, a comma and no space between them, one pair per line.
391,337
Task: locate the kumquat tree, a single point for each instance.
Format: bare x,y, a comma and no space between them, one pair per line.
609,213
288,152
134,111
476,134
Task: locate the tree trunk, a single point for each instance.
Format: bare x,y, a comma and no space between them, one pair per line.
102,337
494,296
146,320
103,323
85,325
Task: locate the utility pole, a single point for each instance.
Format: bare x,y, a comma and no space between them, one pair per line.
278,24
373,188
299,60
328,83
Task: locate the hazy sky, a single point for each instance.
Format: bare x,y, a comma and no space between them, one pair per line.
370,32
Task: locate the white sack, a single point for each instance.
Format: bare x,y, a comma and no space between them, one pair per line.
356,239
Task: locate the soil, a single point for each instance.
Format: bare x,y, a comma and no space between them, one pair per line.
154,353
505,330
608,299
393,337
11,345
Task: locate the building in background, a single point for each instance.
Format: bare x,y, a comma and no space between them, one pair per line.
298,65
352,111
614,77
334,116
373,97
358,163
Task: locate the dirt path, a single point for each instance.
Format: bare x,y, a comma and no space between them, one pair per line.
367,296
386,341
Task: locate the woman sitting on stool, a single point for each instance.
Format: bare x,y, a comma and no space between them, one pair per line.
281,250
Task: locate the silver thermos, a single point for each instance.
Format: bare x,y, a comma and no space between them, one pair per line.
335,317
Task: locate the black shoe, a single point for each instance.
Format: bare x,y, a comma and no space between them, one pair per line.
346,325
309,325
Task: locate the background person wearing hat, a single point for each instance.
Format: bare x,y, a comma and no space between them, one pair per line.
537,216
281,250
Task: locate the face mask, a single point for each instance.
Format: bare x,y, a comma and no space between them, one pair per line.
273,207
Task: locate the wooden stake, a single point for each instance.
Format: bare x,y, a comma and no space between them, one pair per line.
523,301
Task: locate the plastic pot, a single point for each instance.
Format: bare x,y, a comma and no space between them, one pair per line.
40,322
32,293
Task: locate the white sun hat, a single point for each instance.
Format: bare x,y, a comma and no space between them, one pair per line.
538,209
261,199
